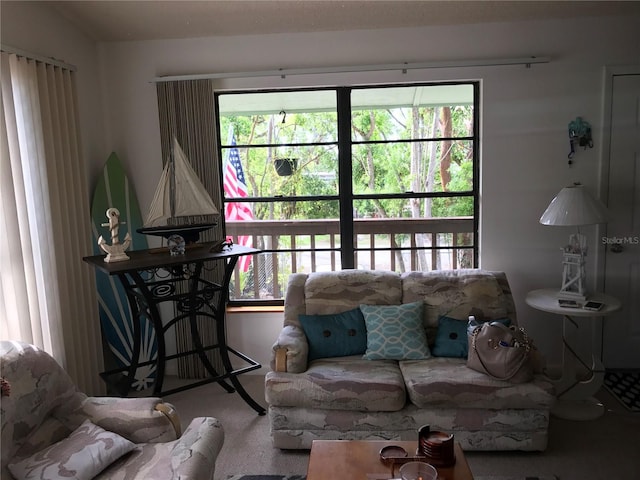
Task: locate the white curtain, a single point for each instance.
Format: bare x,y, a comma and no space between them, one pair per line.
47,293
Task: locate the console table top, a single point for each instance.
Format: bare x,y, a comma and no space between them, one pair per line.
159,258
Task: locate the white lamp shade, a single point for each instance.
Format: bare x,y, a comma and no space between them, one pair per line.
574,206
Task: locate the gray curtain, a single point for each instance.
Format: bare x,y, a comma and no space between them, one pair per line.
187,112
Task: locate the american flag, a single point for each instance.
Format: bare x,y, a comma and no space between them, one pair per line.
235,186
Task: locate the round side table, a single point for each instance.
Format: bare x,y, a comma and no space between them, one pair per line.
574,392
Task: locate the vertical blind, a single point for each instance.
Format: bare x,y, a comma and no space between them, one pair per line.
187,112
48,296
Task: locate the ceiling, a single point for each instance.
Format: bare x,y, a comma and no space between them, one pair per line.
111,20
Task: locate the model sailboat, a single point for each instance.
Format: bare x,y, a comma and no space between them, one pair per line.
180,193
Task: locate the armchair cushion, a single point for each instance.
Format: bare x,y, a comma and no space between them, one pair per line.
82,455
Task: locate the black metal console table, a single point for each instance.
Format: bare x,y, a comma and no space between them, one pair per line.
203,298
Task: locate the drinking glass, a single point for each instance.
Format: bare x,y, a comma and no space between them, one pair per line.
418,471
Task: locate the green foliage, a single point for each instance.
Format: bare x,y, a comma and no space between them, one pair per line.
394,166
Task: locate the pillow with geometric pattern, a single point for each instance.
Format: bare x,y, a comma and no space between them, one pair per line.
395,332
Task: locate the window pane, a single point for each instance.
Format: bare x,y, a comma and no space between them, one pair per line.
415,260
411,209
287,171
413,112
273,118
417,251
413,167
317,217
269,273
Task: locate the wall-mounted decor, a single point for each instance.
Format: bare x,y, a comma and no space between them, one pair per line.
579,134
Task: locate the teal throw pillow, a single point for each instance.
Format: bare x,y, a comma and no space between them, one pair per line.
451,338
336,335
395,332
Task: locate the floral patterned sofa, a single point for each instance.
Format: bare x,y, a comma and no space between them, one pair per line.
51,430
334,378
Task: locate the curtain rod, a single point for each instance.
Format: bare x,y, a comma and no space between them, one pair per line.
403,67
37,58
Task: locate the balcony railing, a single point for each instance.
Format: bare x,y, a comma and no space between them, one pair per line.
314,245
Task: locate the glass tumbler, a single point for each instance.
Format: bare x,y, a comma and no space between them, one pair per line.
418,471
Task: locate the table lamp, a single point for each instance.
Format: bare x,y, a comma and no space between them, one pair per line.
574,207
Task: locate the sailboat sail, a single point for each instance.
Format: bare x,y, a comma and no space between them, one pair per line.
190,196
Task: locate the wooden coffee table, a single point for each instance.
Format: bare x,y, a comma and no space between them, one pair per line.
354,459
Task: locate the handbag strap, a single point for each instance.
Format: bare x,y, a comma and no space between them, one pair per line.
520,363
519,333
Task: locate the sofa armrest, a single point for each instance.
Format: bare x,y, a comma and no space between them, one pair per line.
140,420
171,413
280,358
195,453
290,352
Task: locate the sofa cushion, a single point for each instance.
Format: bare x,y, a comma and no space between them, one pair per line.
335,292
395,332
336,335
448,383
455,294
340,383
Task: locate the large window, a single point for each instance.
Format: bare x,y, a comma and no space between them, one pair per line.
349,177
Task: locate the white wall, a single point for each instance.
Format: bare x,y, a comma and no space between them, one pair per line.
524,124
39,30
524,120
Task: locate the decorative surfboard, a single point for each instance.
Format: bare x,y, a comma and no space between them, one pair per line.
114,191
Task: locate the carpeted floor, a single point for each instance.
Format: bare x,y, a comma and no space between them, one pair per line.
576,450
624,385
298,477
266,477
528,477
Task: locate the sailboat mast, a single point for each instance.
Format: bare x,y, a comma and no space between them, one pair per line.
172,186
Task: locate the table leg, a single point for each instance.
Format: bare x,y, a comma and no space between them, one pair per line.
575,390
195,336
143,301
222,338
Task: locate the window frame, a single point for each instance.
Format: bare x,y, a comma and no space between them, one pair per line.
346,197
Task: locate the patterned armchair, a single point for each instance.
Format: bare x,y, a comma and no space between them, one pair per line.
46,421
